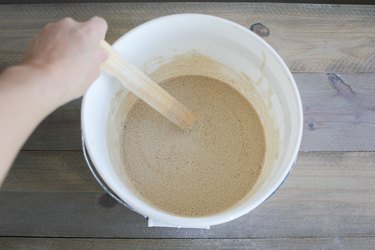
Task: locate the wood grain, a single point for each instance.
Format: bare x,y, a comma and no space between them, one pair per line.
125,1
66,171
73,105
338,112
349,243
327,201
338,116
311,38
61,130
51,171
326,195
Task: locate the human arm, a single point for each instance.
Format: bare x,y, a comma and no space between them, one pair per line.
59,66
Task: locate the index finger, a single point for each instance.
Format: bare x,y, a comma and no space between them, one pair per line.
98,24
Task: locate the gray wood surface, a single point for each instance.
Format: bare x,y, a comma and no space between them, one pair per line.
327,194
61,130
338,116
66,171
311,38
52,171
125,1
75,214
328,200
344,243
73,105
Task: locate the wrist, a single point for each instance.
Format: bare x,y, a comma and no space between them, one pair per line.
35,83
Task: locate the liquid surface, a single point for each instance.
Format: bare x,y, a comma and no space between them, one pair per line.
201,171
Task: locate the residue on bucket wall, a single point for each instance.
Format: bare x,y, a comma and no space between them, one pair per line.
257,92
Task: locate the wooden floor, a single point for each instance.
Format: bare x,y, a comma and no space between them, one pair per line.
50,200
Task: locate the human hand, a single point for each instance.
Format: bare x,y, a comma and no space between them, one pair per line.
68,53
61,62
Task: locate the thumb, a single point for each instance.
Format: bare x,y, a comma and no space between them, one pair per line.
103,55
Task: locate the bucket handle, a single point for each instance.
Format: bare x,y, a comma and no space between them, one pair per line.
101,182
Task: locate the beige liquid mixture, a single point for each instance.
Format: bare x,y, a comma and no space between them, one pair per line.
202,171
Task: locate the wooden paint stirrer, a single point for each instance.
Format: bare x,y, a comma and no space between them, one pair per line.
146,89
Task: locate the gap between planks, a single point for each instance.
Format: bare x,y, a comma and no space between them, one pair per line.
66,171
81,215
326,195
277,243
338,116
310,37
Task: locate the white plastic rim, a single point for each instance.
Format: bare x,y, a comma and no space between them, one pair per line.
204,34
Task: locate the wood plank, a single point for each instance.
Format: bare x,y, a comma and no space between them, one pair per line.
338,112
51,171
66,171
311,38
73,105
124,1
357,243
338,108
326,195
59,131
362,243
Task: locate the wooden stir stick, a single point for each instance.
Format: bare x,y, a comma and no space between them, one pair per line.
146,89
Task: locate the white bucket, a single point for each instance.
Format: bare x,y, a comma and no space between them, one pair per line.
221,49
